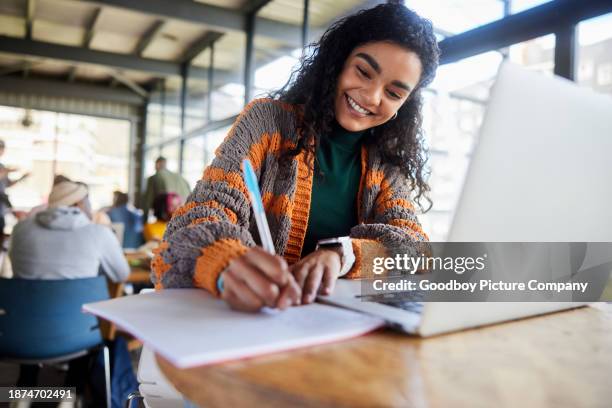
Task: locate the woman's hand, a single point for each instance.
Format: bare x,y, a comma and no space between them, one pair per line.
317,272
257,279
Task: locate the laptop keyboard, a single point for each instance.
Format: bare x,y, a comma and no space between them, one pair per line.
407,305
410,301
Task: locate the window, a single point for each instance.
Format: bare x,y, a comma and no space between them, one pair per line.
452,17
275,60
171,153
517,6
194,160
594,57
585,70
83,148
604,74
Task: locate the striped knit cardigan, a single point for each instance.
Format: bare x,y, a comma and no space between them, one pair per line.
216,225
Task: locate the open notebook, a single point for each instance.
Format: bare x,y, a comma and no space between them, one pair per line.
190,327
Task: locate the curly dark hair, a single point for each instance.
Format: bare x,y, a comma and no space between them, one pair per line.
313,83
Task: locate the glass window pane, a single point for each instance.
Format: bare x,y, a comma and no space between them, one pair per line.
275,60
195,114
455,16
172,108
517,6
197,94
83,148
171,153
594,60
228,88
154,118
212,140
194,160
149,163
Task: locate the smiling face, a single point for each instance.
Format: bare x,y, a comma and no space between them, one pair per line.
376,80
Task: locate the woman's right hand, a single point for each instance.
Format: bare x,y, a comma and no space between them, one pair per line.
257,279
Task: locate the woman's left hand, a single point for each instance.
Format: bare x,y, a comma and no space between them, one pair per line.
315,272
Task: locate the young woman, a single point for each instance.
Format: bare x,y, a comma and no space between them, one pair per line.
338,152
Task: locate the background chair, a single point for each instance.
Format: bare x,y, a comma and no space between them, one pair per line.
41,321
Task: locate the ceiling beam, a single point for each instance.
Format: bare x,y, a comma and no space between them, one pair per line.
52,87
91,27
148,37
216,18
133,86
200,45
253,6
533,23
41,49
11,69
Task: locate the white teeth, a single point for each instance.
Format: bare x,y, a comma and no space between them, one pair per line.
357,107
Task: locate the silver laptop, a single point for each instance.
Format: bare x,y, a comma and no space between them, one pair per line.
540,173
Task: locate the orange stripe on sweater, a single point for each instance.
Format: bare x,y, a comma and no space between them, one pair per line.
300,210
411,227
277,205
230,134
365,251
184,209
201,220
213,260
267,144
297,109
386,192
231,215
233,179
374,178
158,265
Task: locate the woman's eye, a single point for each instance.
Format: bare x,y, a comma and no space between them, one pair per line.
363,72
393,95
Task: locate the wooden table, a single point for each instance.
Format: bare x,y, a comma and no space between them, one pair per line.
558,360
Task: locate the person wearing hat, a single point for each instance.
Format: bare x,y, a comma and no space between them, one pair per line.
62,242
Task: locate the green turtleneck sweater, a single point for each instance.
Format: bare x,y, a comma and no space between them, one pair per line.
333,206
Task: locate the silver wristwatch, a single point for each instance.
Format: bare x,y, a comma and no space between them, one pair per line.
347,257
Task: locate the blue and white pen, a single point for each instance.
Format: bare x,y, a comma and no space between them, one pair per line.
258,208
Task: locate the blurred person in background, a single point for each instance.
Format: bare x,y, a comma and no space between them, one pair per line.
163,181
131,218
6,182
62,242
163,206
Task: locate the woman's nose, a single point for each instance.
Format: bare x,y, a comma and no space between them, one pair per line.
372,96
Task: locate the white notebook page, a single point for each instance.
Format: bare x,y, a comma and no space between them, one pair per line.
190,327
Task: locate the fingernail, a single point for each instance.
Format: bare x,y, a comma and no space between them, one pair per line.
282,304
